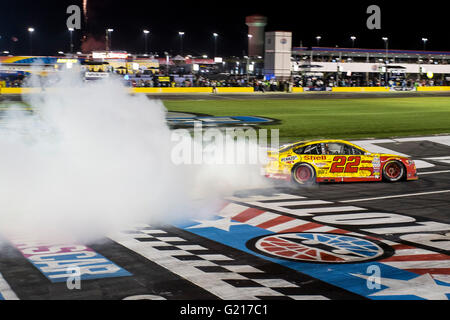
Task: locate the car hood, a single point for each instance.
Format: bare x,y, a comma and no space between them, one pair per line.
388,155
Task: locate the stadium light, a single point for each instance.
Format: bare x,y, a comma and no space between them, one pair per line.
353,38
181,34
386,43
30,31
71,30
215,35
424,43
386,39
249,36
318,40
109,39
146,32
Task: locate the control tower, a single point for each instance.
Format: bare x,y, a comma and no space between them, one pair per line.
256,24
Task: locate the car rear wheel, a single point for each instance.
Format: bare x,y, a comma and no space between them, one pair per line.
393,171
303,174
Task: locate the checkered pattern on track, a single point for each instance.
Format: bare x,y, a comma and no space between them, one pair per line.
214,271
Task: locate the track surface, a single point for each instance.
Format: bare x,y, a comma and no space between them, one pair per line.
393,239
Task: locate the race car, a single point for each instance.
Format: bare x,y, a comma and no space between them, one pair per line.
336,161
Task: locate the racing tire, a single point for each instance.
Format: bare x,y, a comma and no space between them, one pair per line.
303,174
393,171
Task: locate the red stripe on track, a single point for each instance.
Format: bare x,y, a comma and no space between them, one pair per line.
401,247
247,214
430,270
274,222
304,227
418,257
339,231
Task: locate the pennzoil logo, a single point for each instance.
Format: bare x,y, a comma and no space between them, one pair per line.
319,247
290,158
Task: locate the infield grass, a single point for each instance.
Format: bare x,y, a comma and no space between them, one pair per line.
329,118
335,118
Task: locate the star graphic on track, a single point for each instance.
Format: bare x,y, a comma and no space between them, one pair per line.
422,286
223,224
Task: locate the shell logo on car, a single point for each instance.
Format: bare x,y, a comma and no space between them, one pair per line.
336,161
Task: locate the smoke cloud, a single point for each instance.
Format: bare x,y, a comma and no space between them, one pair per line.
92,159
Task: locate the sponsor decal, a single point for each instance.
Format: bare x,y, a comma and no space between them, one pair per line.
314,158
109,55
66,60
317,88
320,164
55,261
289,158
376,163
318,247
164,79
403,89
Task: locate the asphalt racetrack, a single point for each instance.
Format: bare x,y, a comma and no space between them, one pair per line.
353,241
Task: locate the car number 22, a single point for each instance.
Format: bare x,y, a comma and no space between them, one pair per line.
342,164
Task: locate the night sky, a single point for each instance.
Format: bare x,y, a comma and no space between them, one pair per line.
405,24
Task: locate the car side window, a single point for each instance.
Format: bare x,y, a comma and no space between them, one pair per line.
332,148
312,149
299,150
357,152
349,150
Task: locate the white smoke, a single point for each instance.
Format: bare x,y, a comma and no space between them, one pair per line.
93,159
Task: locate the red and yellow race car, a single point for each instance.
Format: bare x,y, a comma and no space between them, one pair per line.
336,161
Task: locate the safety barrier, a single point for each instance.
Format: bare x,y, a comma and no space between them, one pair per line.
193,90
437,88
360,89
297,89
17,91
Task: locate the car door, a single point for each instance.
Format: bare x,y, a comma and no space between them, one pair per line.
347,161
313,155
